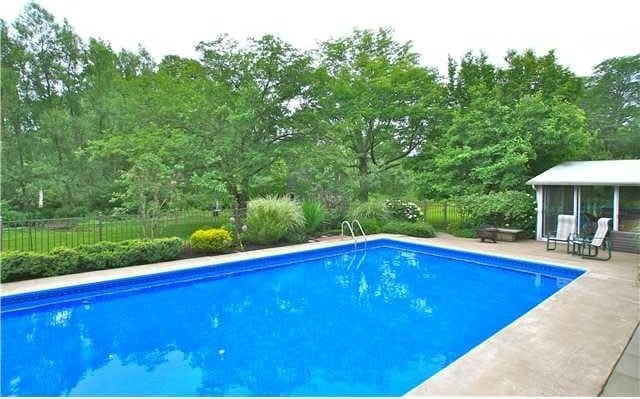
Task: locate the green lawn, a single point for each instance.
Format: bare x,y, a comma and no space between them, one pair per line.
440,214
46,235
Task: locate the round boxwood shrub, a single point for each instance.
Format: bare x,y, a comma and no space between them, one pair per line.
211,240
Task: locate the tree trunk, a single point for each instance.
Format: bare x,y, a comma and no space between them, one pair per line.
240,194
363,177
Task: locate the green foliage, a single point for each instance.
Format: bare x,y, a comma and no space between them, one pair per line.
404,210
370,210
462,229
510,209
314,215
150,187
612,105
491,146
527,74
251,112
411,228
361,114
371,225
271,218
376,99
211,240
25,265
105,255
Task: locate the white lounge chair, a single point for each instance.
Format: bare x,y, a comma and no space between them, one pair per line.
564,232
599,241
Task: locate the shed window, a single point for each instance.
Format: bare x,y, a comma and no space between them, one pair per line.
595,202
629,214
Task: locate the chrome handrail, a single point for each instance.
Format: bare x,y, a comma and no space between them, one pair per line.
356,222
353,235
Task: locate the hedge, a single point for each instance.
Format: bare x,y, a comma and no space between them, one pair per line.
415,229
104,255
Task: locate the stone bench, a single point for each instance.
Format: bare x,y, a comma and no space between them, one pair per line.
499,234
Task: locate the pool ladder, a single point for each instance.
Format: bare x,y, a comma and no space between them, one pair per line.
350,227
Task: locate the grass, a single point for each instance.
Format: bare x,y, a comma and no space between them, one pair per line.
45,235
440,214
42,237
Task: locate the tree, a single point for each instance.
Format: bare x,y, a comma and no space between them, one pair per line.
150,187
375,98
492,147
612,103
528,74
474,74
263,88
17,143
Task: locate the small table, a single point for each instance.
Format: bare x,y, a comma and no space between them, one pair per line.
578,244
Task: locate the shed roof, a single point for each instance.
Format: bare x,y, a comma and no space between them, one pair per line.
591,173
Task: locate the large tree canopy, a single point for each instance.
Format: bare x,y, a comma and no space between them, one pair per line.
360,115
504,126
612,103
376,99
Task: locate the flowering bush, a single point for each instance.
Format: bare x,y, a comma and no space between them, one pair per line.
511,209
404,210
211,240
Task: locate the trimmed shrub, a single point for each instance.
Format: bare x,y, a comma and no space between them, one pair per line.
404,210
211,240
314,214
462,229
375,210
104,255
270,219
370,226
415,229
24,265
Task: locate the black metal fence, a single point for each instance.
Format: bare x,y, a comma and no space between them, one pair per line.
42,235
442,213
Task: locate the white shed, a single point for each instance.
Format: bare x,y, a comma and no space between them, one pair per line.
590,190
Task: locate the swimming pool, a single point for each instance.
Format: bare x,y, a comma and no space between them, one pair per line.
329,321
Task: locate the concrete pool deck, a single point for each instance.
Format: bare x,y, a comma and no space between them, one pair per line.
566,346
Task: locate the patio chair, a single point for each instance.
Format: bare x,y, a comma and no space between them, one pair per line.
564,232
600,240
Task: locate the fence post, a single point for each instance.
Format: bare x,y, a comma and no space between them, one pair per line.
99,226
1,234
446,219
30,237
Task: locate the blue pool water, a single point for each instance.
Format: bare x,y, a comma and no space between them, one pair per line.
374,322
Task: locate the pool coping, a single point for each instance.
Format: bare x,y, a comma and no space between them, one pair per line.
70,280
501,365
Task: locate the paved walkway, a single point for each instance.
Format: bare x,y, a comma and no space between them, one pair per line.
566,346
625,379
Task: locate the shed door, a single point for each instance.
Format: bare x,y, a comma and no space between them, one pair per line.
557,200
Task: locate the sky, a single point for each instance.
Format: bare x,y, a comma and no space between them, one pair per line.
583,33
